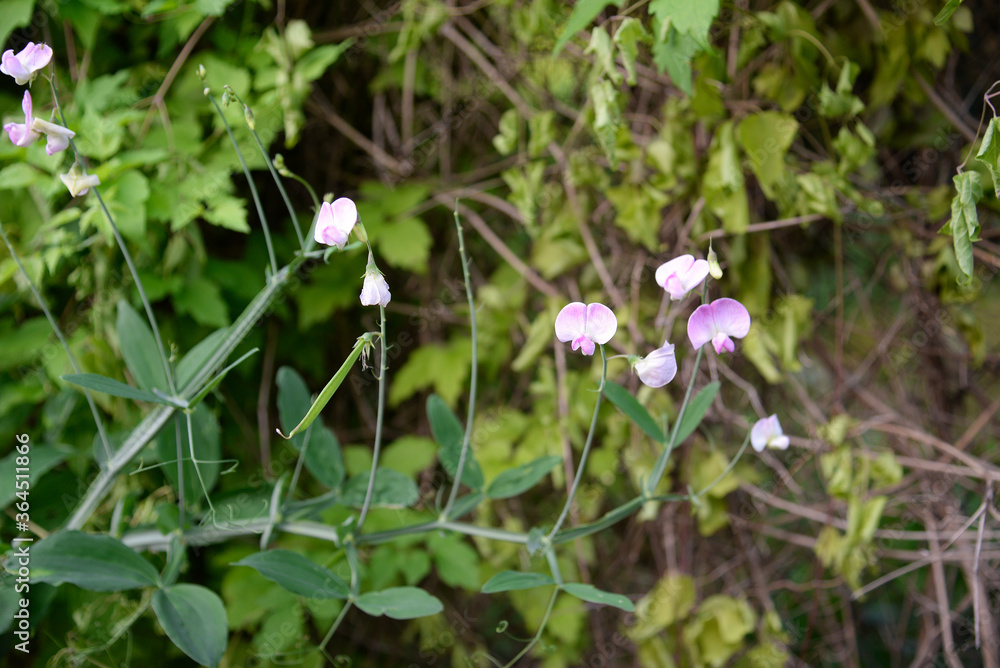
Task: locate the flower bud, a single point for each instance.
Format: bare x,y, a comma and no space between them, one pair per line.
713,264
201,72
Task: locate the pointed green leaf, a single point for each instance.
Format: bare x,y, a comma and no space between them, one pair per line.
584,12
448,433
99,383
635,411
964,223
139,349
696,410
515,580
517,480
989,152
392,490
43,459
195,620
323,457
297,574
946,12
399,603
693,18
594,595
96,563
294,401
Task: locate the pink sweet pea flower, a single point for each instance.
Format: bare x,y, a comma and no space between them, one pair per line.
766,433
336,222
375,290
23,134
658,367
58,136
25,64
585,325
682,274
718,321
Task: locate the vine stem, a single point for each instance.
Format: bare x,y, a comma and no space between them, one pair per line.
62,340
586,447
253,187
378,420
336,624
541,628
467,438
661,463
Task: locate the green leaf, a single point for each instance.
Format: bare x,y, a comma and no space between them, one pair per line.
93,381
444,368
196,358
693,18
584,12
43,459
392,490
635,411
195,620
316,61
515,580
628,36
294,401
23,342
989,152
670,600
594,595
765,138
228,212
297,574
399,603
964,223
139,349
323,457
21,175
946,12
456,561
673,56
202,300
207,450
448,433
517,480
406,244
95,563
696,410
16,13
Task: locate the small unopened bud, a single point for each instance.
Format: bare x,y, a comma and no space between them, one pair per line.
361,233
206,92
201,72
713,264
248,115
225,97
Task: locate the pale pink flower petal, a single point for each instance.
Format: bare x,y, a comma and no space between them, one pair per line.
717,322
601,323
29,60
767,433
586,325
345,214
335,222
681,275
658,367
58,136
23,134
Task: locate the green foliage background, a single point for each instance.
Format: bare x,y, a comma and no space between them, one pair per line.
815,143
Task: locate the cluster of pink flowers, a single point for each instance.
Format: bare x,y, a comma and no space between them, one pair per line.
24,67
333,226
717,322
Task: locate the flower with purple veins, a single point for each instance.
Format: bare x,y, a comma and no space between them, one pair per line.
586,325
718,322
681,275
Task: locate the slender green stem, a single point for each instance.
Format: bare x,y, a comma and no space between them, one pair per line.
253,187
62,340
541,628
550,556
124,249
475,366
586,447
194,462
379,418
661,462
485,532
732,464
300,460
336,624
180,476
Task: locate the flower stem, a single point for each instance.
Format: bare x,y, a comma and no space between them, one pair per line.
253,187
661,462
336,624
732,464
378,420
62,340
473,376
586,447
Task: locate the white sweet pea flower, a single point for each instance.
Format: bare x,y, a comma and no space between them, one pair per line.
766,433
58,136
681,275
335,222
78,182
658,367
375,290
24,66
